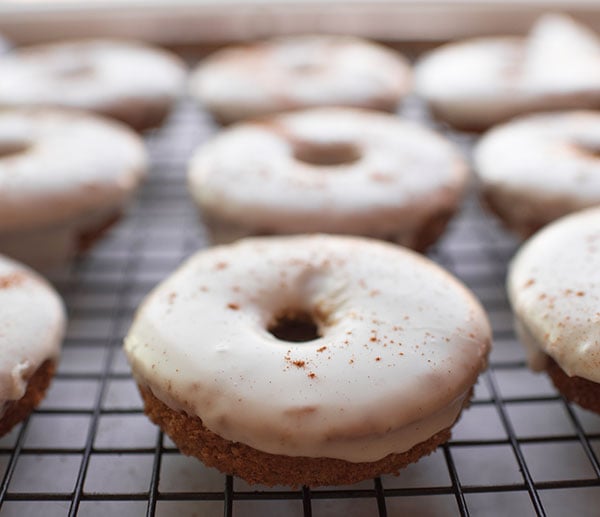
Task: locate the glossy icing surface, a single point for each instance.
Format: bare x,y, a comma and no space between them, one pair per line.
554,289
400,345
300,72
401,175
32,324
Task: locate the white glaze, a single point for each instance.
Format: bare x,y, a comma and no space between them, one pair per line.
540,167
554,289
76,171
482,81
96,75
32,324
248,175
402,344
300,72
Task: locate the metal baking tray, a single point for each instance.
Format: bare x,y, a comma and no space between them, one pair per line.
89,450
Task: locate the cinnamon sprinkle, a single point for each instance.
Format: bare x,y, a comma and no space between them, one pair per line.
11,280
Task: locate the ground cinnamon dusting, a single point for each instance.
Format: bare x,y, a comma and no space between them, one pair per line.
233,306
11,280
299,364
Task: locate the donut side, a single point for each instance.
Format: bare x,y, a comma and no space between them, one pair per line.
139,114
496,203
258,467
576,389
427,233
16,411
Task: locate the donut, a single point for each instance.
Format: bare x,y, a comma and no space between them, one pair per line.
331,170
308,360
480,82
297,72
554,290
65,177
32,325
538,168
131,82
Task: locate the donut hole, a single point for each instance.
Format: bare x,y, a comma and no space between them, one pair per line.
295,326
11,148
327,154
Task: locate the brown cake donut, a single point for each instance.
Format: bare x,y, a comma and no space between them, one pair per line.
297,72
477,83
65,178
32,324
540,167
330,170
554,289
308,360
129,81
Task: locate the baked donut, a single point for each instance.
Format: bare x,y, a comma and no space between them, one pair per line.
477,83
554,289
315,360
538,168
300,72
32,324
65,177
132,82
333,170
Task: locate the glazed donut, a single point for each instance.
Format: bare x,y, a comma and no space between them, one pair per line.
131,82
477,83
310,360
555,294
64,178
333,170
32,325
540,167
300,72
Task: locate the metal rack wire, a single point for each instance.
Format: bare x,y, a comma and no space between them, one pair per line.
89,450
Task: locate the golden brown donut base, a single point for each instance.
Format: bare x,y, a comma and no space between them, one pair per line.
523,228
18,410
138,114
87,238
257,467
576,389
386,104
221,231
547,103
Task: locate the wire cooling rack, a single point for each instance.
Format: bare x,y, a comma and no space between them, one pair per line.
89,450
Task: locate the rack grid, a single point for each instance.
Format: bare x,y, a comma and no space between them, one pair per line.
89,450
